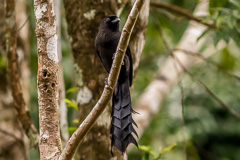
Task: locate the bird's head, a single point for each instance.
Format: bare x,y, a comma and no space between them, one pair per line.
110,22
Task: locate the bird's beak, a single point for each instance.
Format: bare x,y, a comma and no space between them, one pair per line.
116,20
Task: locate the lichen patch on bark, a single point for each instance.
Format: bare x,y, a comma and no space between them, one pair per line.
52,48
84,96
40,9
90,15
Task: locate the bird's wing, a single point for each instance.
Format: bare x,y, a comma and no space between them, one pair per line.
128,52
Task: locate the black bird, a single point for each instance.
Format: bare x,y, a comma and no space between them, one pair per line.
122,123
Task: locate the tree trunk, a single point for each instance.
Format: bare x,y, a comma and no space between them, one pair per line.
83,18
48,80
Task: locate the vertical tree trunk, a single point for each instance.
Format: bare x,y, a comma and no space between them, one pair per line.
48,79
83,18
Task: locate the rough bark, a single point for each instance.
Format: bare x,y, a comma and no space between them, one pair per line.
86,125
138,36
63,106
48,80
83,18
150,101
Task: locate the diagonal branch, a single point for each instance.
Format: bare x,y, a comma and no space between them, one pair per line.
86,125
181,11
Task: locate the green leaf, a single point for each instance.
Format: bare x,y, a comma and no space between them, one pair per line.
235,3
203,34
72,129
220,20
75,121
71,90
227,60
216,4
72,103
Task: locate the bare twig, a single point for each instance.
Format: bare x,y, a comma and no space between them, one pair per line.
168,14
14,75
85,126
181,11
11,135
210,62
209,91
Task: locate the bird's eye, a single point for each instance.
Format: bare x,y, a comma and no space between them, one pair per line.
108,19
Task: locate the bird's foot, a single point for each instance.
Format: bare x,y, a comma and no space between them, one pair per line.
106,81
114,55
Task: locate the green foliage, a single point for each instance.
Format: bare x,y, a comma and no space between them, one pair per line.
227,21
149,152
76,121
227,60
71,103
216,4
71,130
71,90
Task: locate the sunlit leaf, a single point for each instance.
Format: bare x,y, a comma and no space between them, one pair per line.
75,121
72,103
71,90
72,129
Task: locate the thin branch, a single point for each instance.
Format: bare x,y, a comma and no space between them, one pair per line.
86,125
14,75
208,90
11,135
181,11
25,22
168,14
210,62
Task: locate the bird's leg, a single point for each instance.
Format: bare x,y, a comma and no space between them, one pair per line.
106,81
114,55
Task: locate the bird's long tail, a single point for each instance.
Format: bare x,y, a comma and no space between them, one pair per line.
122,122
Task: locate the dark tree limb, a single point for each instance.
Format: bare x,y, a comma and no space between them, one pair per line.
85,126
181,11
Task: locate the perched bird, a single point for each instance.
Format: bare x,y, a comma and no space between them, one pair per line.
122,123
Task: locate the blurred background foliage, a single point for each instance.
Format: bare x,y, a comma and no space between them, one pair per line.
209,131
